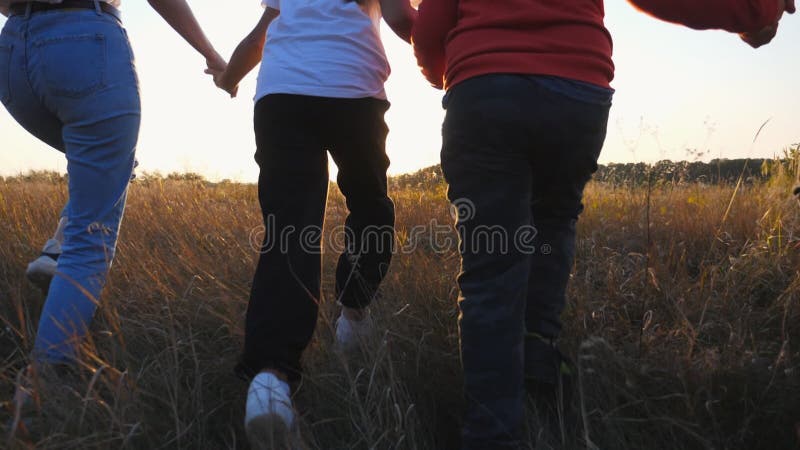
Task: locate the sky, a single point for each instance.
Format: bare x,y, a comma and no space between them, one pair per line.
680,95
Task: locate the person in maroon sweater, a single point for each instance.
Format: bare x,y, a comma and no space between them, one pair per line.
528,97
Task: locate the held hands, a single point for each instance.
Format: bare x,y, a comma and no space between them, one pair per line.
217,68
764,36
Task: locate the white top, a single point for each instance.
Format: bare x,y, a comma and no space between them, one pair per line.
114,3
324,48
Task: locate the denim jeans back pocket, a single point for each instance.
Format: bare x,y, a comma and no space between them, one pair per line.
73,66
5,73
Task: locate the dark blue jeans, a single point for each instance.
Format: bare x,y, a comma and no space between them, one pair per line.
517,153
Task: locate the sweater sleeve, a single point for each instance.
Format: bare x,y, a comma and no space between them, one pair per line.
736,16
436,19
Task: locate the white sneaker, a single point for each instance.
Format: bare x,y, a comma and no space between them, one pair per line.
41,270
350,332
269,416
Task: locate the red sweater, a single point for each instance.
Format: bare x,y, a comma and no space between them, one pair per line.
459,39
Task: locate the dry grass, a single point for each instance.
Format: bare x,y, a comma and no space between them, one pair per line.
682,343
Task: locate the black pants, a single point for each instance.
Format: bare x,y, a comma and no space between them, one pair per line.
293,135
517,157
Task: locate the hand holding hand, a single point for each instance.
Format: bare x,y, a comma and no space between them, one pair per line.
217,67
764,36
221,80
216,62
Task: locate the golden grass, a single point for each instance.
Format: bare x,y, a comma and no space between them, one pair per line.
685,342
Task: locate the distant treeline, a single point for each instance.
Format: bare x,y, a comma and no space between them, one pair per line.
671,172
663,172
630,174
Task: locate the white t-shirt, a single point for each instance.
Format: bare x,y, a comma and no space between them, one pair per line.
324,48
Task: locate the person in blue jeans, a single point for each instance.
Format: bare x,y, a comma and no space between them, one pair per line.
67,76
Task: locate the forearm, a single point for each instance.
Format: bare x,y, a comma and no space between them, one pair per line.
400,17
179,16
248,53
244,59
736,16
435,20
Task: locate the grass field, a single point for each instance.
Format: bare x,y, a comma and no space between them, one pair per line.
683,317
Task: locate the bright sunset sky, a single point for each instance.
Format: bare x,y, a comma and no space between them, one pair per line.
676,89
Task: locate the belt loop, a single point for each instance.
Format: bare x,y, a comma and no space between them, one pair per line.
28,7
97,8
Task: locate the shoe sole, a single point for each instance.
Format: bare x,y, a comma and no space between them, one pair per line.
269,432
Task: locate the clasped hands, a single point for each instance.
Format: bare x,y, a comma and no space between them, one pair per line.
217,68
764,36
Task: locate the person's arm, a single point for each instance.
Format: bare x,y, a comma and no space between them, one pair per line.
246,56
736,16
400,17
435,20
179,16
